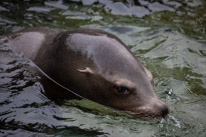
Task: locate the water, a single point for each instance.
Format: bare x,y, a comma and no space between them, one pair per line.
167,36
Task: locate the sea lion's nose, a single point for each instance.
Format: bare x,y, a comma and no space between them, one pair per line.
165,110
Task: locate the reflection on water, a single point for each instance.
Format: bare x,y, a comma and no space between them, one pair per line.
167,36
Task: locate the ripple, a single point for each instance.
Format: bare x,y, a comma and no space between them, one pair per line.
167,36
39,9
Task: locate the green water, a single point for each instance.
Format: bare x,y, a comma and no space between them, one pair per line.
168,37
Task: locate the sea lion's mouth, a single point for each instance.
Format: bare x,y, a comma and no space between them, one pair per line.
147,113
144,115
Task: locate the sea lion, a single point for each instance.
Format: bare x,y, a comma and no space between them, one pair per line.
92,64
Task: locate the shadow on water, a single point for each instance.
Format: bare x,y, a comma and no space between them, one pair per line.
167,36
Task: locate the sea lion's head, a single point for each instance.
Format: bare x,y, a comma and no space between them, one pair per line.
102,69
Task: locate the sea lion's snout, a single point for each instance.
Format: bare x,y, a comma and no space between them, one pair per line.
154,108
159,108
154,111
165,110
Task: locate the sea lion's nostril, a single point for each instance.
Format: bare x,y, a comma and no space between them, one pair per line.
165,110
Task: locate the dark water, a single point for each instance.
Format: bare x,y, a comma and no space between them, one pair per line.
168,36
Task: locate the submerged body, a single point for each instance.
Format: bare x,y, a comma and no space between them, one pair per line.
93,64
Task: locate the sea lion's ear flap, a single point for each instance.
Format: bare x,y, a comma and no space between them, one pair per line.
148,73
85,70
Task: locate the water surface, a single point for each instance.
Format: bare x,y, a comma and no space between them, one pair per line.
169,38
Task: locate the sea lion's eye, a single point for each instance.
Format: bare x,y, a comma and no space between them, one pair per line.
122,90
